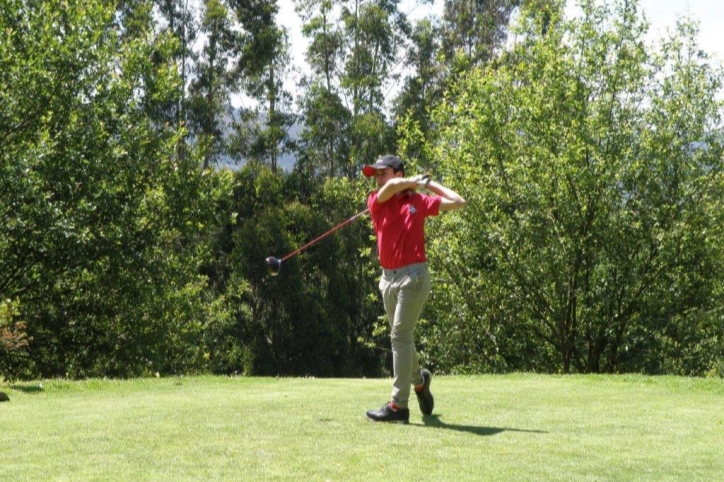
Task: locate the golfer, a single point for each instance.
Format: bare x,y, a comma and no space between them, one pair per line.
398,214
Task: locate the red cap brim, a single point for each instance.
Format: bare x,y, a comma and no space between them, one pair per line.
369,171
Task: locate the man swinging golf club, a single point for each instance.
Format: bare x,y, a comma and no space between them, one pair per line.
398,215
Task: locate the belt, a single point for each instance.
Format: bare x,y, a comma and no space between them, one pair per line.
410,268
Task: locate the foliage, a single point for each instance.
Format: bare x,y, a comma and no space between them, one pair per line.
354,47
474,30
591,165
471,34
307,320
209,90
99,216
262,132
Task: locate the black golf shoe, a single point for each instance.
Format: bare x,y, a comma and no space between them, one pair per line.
424,397
390,414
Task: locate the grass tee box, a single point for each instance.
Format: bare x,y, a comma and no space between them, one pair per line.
496,428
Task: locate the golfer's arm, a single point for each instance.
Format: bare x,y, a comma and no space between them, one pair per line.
393,186
450,199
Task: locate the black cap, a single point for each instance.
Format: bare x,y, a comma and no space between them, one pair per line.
383,162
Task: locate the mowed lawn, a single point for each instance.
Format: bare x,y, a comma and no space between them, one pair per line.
514,428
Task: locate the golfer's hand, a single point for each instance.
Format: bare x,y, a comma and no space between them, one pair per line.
422,180
416,179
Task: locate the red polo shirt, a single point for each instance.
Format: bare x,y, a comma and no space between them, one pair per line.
399,225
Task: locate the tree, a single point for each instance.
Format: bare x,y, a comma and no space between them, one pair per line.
262,132
354,47
210,89
470,35
325,140
180,23
590,164
420,93
135,18
475,29
375,32
100,214
308,320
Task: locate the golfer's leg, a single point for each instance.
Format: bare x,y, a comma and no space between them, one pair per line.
411,298
388,299
389,289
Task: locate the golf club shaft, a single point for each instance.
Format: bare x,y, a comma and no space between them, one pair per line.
341,225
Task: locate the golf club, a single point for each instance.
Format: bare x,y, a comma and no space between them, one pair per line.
275,264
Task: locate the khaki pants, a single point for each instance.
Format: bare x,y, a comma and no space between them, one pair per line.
404,292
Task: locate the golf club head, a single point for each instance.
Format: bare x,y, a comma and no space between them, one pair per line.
274,265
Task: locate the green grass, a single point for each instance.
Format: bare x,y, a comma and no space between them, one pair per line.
512,428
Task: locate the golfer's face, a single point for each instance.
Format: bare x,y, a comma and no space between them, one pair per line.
384,175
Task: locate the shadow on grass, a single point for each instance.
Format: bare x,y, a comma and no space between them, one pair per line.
27,389
433,421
